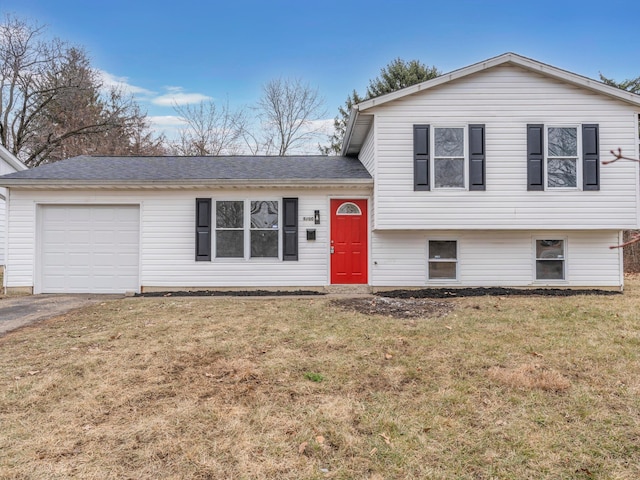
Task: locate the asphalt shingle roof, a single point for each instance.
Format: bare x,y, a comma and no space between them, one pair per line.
164,169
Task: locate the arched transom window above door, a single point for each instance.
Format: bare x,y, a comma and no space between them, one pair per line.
349,209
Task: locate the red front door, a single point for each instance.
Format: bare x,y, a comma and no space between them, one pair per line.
348,241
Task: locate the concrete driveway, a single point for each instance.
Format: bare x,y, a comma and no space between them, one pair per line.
16,312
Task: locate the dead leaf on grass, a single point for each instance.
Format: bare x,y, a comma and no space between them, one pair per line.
388,356
531,377
320,439
302,447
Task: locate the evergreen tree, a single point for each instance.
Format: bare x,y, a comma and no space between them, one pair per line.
53,104
397,75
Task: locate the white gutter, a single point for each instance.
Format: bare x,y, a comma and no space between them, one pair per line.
353,116
208,183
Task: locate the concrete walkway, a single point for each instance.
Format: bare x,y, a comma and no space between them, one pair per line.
16,312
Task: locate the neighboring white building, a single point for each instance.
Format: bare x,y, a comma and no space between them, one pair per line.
8,164
487,176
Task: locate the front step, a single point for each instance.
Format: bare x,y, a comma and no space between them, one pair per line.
348,289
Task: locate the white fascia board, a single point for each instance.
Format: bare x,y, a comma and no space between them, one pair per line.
514,59
11,159
40,184
353,116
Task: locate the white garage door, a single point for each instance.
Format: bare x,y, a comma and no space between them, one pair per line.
89,249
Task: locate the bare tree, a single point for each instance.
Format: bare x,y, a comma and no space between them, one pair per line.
631,237
287,110
210,129
51,100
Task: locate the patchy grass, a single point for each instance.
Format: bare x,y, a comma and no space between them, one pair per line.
172,388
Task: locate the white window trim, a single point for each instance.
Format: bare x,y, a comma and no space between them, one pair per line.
465,159
565,269
578,158
443,260
246,229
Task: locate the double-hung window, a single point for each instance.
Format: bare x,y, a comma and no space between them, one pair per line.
562,157
264,228
443,260
229,229
550,259
448,157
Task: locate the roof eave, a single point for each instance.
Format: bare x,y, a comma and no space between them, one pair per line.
349,130
208,183
11,159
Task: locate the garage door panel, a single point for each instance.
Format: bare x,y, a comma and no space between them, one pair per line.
77,238
89,248
74,260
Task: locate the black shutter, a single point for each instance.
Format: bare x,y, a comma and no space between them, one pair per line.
203,229
590,158
476,158
535,157
290,229
421,157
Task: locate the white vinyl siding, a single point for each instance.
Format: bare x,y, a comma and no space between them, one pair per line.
367,152
496,258
368,158
5,168
505,99
167,237
3,225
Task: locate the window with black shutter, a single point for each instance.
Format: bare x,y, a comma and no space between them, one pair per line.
535,157
203,229
290,229
559,156
590,157
421,157
477,175
441,156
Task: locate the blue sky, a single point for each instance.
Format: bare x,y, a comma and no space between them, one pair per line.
186,50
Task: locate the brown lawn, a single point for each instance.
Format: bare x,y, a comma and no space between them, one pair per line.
238,388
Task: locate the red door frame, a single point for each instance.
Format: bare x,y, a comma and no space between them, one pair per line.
349,260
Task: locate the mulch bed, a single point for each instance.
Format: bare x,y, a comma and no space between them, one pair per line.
231,293
491,291
393,307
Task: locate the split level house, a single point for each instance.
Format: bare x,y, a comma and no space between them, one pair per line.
8,164
490,175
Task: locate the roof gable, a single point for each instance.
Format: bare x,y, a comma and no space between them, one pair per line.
506,58
361,117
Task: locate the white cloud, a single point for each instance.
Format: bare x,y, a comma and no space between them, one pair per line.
323,126
109,81
173,95
166,120
168,125
177,96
